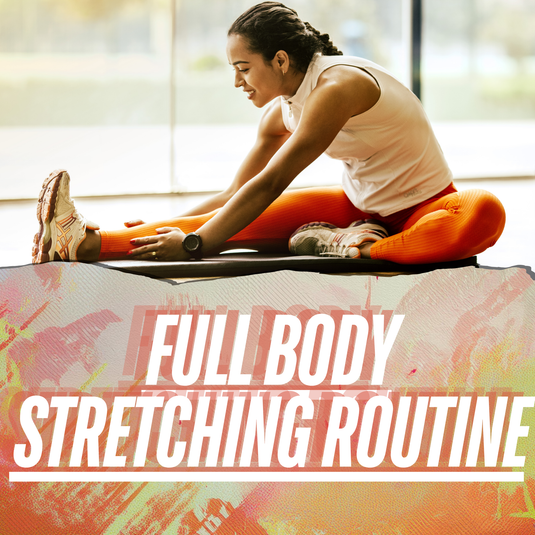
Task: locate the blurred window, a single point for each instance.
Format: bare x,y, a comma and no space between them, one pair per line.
478,81
84,85
91,85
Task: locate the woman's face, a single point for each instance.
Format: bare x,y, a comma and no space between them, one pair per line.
261,81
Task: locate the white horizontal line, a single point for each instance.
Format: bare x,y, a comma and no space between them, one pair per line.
105,476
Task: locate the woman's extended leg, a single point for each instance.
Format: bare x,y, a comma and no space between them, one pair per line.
65,235
456,226
269,232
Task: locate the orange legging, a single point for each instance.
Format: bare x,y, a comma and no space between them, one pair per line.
449,226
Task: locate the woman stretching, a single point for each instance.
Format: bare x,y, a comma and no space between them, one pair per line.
397,201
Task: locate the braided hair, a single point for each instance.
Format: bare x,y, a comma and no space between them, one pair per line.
271,26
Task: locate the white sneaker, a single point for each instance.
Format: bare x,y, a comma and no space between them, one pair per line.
61,227
323,239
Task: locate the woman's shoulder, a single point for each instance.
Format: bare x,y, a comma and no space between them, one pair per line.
327,68
322,64
350,82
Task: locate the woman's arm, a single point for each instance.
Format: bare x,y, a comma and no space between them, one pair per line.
340,94
271,136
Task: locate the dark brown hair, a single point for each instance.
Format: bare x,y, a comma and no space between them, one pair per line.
271,26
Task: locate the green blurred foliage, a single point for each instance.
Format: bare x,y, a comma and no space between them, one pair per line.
90,10
210,62
511,24
507,24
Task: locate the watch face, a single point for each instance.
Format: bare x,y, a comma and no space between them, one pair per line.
192,242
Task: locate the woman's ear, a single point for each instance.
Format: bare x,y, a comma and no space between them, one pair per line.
282,61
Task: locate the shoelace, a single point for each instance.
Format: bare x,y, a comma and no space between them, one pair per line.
76,214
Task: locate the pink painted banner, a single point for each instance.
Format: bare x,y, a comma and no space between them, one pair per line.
283,403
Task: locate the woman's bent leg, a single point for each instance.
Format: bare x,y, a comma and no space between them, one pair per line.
269,232
456,226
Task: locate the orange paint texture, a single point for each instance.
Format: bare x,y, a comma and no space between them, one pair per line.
80,330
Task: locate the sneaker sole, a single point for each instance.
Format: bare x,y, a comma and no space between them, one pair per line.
308,244
348,230
46,206
307,247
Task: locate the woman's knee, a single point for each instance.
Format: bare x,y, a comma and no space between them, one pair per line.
484,218
485,210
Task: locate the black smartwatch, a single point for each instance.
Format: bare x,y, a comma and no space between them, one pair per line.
192,244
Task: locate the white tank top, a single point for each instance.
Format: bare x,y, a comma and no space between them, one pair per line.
392,159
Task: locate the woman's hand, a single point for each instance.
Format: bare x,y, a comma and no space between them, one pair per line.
167,245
